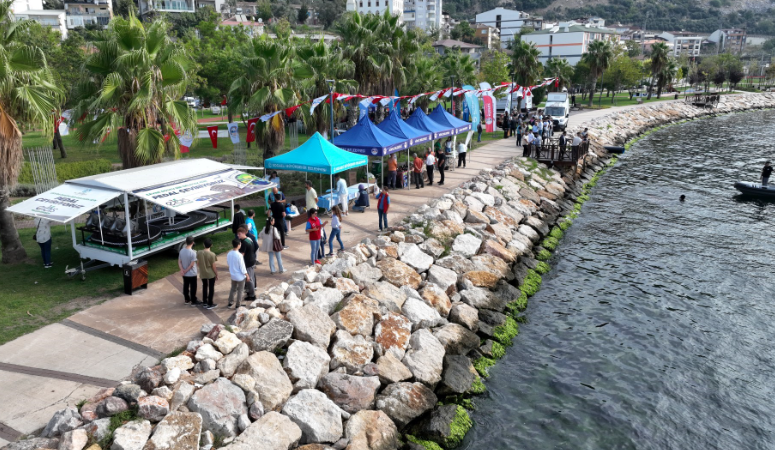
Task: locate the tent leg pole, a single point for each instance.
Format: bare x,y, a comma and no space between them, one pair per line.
100,219
147,227
381,172
72,231
127,220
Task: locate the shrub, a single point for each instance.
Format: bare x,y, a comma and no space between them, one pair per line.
428,445
565,224
458,428
69,170
515,307
556,233
498,350
478,387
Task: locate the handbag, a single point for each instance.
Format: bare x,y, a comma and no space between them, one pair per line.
35,236
277,245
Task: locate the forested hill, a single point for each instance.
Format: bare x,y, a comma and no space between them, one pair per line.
706,16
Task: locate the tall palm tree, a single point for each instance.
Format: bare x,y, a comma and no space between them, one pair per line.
317,62
527,69
561,69
27,94
667,75
424,75
132,86
265,87
599,56
461,67
659,57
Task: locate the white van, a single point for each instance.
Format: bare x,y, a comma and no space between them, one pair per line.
558,107
502,104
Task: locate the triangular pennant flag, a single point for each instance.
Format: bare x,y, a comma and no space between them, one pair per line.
316,102
266,117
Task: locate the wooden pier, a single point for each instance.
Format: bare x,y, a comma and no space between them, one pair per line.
551,154
708,100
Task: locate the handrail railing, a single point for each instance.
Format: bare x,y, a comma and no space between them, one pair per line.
550,150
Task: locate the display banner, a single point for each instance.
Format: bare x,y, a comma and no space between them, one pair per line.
203,191
489,112
233,132
64,202
212,131
186,139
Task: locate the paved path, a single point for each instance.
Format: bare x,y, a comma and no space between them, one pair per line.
64,363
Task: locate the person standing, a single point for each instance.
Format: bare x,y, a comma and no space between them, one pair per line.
563,141
269,235
239,219
249,256
341,193
575,145
461,154
441,163
766,172
519,134
313,230
274,178
537,144
527,145
417,171
277,207
187,265
448,145
383,204
430,162
238,273
479,132
311,196
205,261
392,171
43,238
336,230
250,223
513,124
291,211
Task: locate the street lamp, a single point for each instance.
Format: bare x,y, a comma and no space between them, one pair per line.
331,101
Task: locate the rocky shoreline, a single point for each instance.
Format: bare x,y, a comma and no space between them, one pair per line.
381,347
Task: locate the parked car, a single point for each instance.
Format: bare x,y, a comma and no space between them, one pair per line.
215,109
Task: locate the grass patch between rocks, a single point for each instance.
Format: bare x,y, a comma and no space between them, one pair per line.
482,365
544,255
543,268
505,333
428,445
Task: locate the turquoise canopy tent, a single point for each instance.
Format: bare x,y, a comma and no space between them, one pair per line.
317,155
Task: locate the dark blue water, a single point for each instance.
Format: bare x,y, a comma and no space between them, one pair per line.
655,328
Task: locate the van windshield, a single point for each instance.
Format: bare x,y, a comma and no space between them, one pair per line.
555,111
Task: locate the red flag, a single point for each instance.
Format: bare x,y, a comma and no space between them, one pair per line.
183,149
167,137
291,110
556,82
213,132
251,130
223,102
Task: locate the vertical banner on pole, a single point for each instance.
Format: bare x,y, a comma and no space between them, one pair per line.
233,132
489,111
185,141
471,106
212,131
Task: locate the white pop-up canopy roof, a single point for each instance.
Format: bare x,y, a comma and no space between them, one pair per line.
182,186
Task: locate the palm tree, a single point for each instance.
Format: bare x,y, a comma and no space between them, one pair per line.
132,86
460,68
424,76
266,87
317,62
561,69
27,94
527,68
599,55
666,76
659,58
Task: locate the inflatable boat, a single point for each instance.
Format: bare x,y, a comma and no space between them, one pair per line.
756,189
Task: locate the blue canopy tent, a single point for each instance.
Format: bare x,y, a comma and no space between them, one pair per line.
368,139
419,120
317,155
447,120
395,126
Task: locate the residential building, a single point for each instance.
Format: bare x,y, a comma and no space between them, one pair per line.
177,6
488,36
19,6
729,39
252,28
568,40
509,22
425,15
93,12
683,43
395,7
447,24
52,18
445,45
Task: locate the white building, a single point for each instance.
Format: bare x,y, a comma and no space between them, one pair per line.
88,12
177,6
33,10
689,45
395,7
447,24
423,14
509,22
568,40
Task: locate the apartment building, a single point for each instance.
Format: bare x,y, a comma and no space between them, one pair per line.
683,43
568,40
395,7
92,12
509,22
426,15
729,39
178,6
33,10
488,36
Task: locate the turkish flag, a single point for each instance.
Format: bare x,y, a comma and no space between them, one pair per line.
183,148
167,137
251,130
556,82
213,133
223,102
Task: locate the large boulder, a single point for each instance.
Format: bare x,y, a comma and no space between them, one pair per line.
325,298
403,402
220,403
152,407
74,440
272,383
111,406
392,370
455,263
311,324
483,299
465,315
62,421
131,436
349,392
130,392
149,378
459,375
273,431
180,396
365,274
371,430
399,273
436,298
318,417
466,245
432,247
392,335
445,279
446,425
305,364
178,431
445,230
229,364
502,218
492,264
425,358
227,342
33,444
416,258
383,292
494,248
481,278
420,314
456,339
350,352
358,314
272,336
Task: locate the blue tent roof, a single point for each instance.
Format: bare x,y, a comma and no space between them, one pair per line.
365,138
419,120
394,126
446,119
317,155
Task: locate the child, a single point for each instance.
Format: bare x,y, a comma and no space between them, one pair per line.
291,211
383,203
336,230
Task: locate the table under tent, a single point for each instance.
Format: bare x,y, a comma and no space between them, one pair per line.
368,139
136,212
317,155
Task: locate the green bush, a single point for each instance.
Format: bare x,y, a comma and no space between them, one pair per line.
458,428
498,350
69,170
565,224
428,445
543,268
478,387
505,333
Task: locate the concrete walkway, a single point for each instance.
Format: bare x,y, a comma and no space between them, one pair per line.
64,363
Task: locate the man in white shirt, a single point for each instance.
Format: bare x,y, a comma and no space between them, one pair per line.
528,147
575,144
238,273
312,196
430,163
537,142
341,192
188,269
461,154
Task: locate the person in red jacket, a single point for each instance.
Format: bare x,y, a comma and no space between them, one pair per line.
383,204
313,230
417,171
